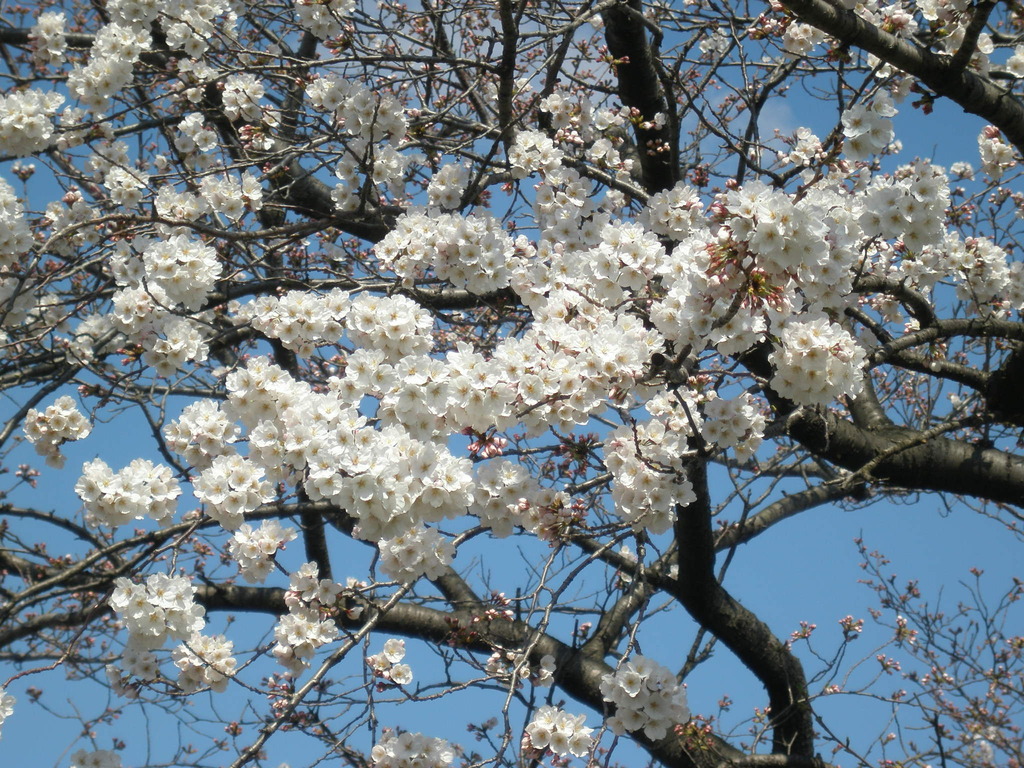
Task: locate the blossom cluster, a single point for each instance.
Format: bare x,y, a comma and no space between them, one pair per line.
472,252
645,460
562,733
673,213
447,186
190,25
160,608
306,626
15,235
533,151
373,124
241,97
411,750
204,661
115,50
254,548
646,696
299,319
7,702
396,325
142,489
231,486
817,362
26,121
868,127
49,43
500,665
997,155
387,664
733,423
323,19
201,433
60,423
420,551
231,196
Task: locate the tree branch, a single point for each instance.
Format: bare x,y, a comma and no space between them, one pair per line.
940,73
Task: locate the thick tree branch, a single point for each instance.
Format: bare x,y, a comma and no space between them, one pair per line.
738,628
941,74
640,88
938,464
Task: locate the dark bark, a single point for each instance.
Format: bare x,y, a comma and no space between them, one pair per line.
640,87
739,629
945,75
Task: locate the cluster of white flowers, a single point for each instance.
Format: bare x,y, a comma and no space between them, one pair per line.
359,110
909,206
799,39
501,665
501,488
784,236
648,476
7,702
997,155
868,127
204,661
386,664
1015,64
50,429
190,24
100,758
323,19
300,319
115,50
26,121
241,98
734,423
173,341
194,137
184,269
125,186
136,662
231,486
646,696
984,274
373,122
579,125
254,549
805,150
226,195
562,733
400,482
533,151
142,489
48,41
15,236
411,750
161,608
420,551
471,252
18,301
448,185
817,362
306,626
674,213
201,433
396,325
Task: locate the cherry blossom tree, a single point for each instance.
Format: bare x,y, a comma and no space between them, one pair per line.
447,352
